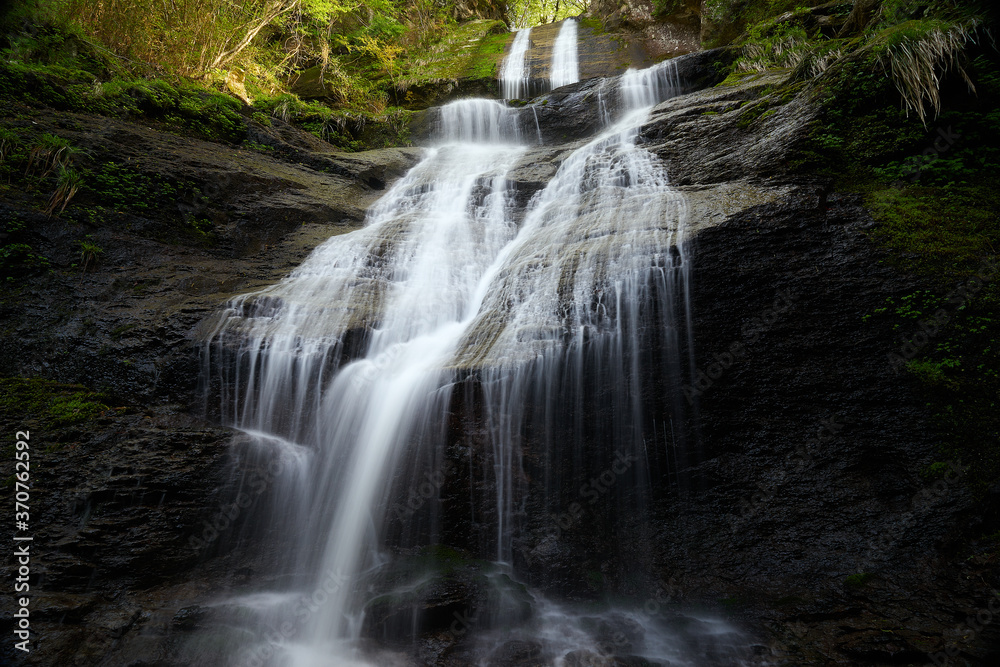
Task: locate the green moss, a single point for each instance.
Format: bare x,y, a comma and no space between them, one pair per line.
936,470
752,113
737,77
595,25
187,107
489,55
52,403
725,21
934,373
858,580
938,231
470,50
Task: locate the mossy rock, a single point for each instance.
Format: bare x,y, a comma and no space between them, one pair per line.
51,404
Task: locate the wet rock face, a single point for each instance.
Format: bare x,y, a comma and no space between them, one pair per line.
658,29
128,324
115,505
798,495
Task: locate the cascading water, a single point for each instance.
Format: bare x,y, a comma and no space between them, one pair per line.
565,67
558,314
515,74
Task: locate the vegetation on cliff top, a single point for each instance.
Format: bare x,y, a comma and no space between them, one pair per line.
909,92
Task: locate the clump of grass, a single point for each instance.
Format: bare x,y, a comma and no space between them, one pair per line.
68,182
50,153
920,54
90,254
10,143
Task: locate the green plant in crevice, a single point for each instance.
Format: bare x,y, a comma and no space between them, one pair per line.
934,373
90,254
50,153
858,580
10,145
68,183
783,44
19,259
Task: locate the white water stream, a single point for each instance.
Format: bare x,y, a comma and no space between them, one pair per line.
347,366
565,67
514,73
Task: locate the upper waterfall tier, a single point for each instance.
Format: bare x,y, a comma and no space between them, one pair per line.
515,74
565,67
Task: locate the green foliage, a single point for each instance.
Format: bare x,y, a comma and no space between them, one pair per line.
940,231
101,57
49,154
90,254
950,236
919,53
727,21
936,470
52,403
933,373
20,259
68,183
472,50
529,13
780,43
120,187
187,107
858,580
666,7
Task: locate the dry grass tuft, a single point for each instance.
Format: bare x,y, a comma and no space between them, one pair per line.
918,61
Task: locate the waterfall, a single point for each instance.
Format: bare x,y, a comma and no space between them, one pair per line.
565,68
564,316
515,74
480,121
